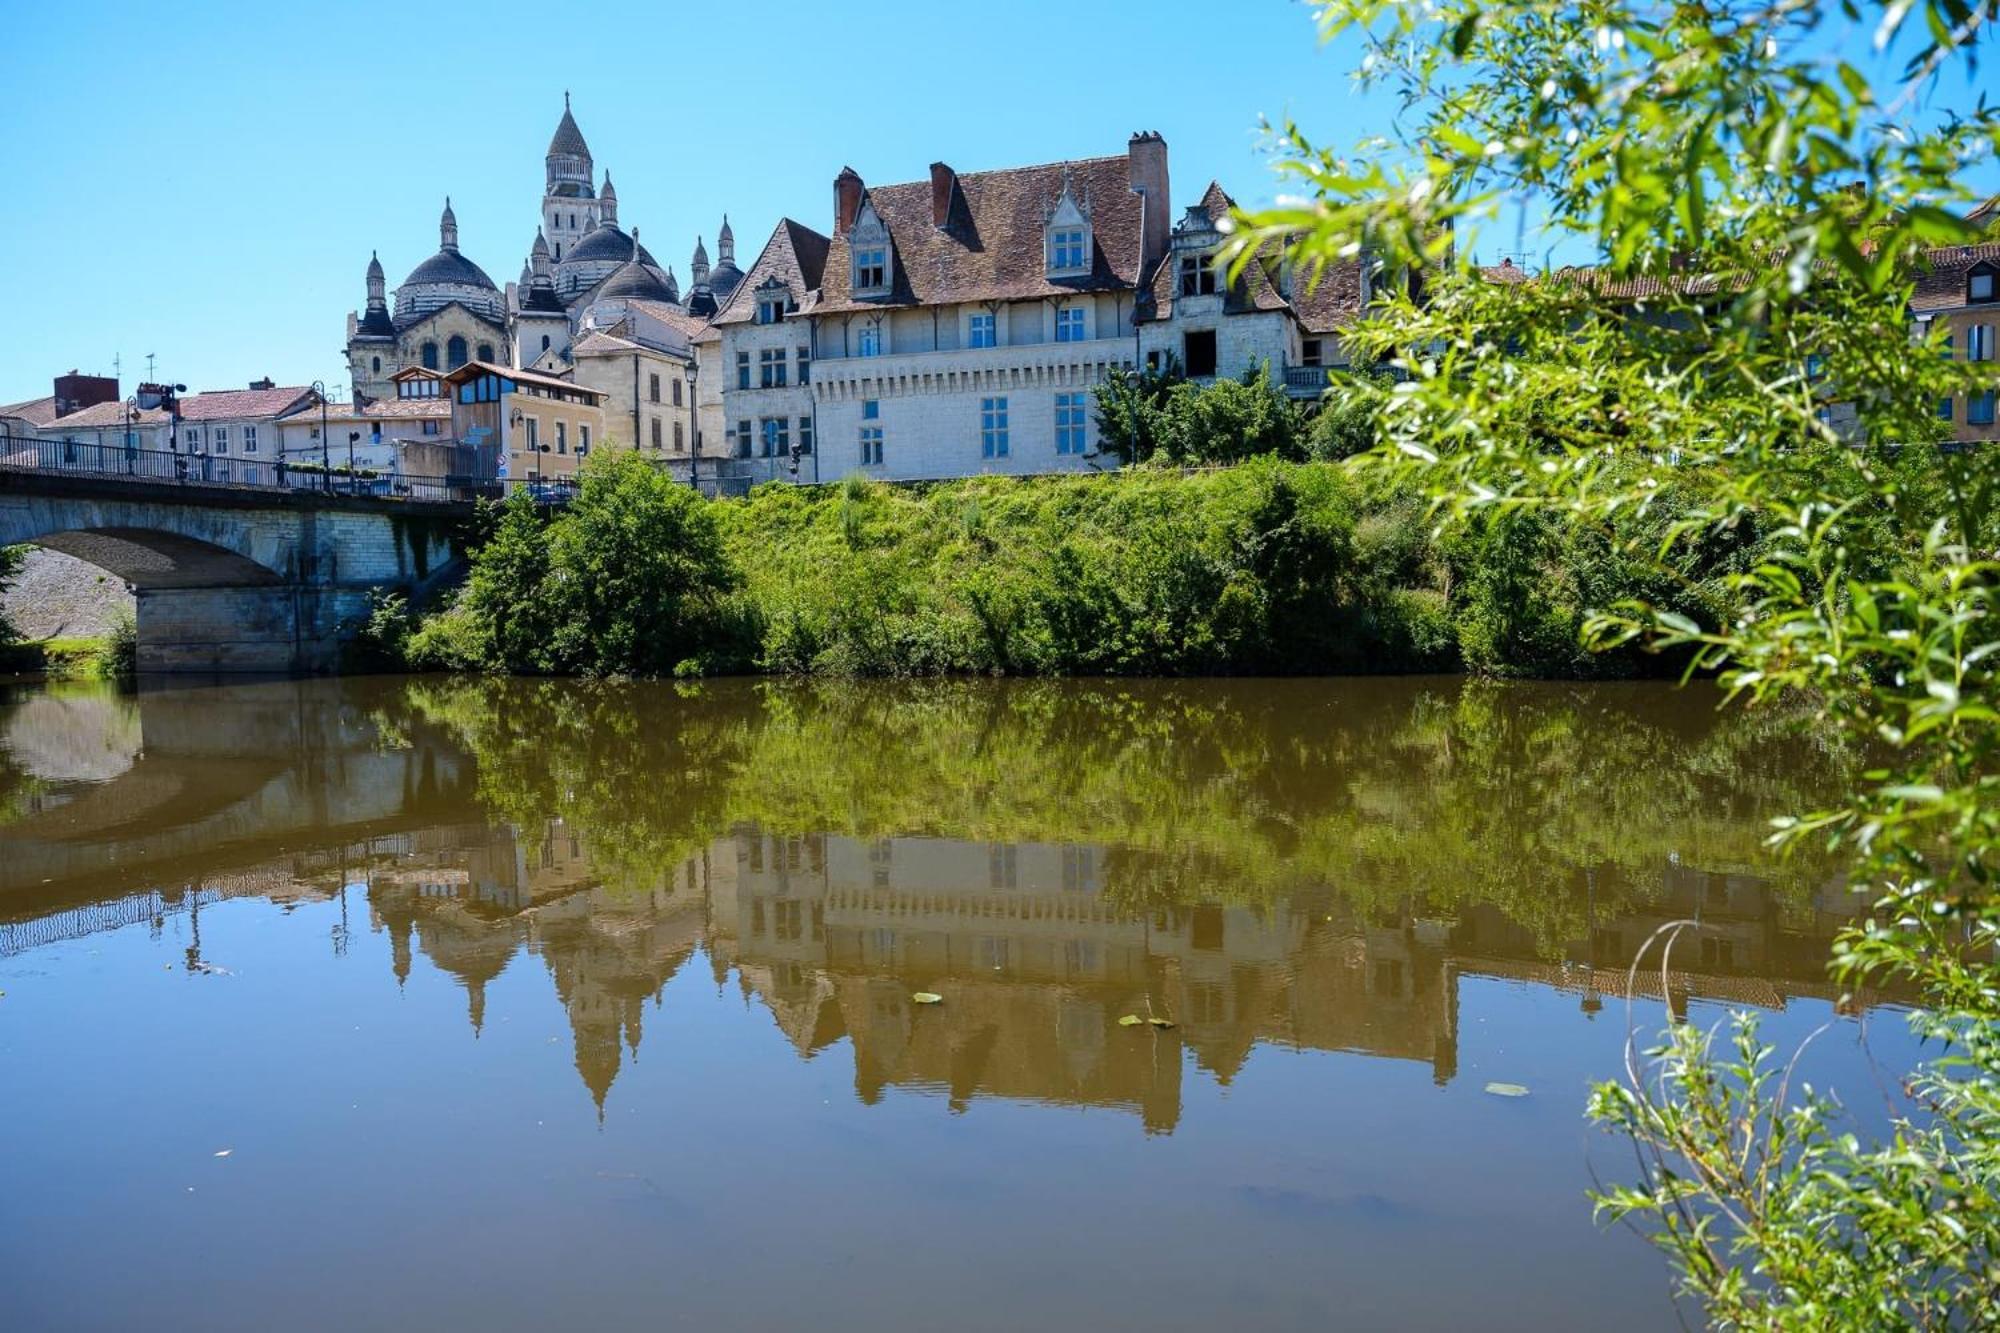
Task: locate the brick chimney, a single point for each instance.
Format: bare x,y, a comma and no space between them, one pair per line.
74,392
1146,155
943,181
266,383
846,200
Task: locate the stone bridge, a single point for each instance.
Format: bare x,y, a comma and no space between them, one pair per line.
237,579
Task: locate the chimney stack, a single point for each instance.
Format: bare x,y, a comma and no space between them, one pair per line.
846,200
1146,156
943,181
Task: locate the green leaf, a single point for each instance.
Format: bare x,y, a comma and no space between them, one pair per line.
926,997
1130,1021
1506,1089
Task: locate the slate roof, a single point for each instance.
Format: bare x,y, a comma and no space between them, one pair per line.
991,248
472,368
234,404
688,325
568,138
606,241
796,255
635,281
1322,303
449,266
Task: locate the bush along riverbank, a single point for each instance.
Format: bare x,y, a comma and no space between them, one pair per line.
1266,567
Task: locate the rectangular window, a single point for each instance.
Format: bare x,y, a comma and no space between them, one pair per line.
871,446
193,437
805,435
680,442
534,435
993,428
1066,249
1070,427
1979,409
1979,342
220,437
1069,324
777,436
871,268
1980,288
1197,276
870,341
430,428
653,388
1309,352
871,409
979,331
1198,353
743,437
1944,409
249,439
771,367
805,365
656,432
582,440
562,437
743,370
677,393
770,309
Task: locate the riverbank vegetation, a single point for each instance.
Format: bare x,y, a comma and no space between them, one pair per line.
1272,566
1763,211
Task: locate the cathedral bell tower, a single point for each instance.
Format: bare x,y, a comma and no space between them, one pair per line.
569,200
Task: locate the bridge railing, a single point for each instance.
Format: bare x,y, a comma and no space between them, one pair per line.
174,467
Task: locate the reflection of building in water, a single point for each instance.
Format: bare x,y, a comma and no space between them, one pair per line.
471,907
1037,959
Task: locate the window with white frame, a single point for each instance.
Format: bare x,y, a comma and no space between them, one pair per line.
1980,286
871,446
871,268
979,330
1069,324
1070,422
1069,250
219,437
869,341
1979,342
249,439
191,437
770,307
771,367
993,428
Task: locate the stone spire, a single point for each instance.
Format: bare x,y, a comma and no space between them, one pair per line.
698,267
609,196
725,243
377,285
448,228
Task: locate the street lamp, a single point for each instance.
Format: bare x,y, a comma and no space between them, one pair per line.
325,458
694,413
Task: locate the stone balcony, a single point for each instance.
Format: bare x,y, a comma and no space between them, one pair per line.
1052,365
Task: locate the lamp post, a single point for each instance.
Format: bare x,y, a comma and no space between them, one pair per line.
325,458
694,414
352,436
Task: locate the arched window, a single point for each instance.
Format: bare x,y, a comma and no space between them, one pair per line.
454,352
545,342
376,365
486,353
430,356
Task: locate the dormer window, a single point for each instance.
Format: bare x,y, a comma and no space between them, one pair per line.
1067,249
1067,229
871,269
774,301
1979,286
1197,275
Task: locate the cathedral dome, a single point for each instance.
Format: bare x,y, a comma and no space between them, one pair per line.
445,277
636,282
606,243
449,266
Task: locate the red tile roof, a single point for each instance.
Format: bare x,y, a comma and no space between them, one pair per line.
1941,283
992,248
1323,302
235,404
35,411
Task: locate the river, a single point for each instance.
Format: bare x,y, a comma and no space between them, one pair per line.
418,1002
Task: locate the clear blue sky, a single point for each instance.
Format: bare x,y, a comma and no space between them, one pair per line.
205,182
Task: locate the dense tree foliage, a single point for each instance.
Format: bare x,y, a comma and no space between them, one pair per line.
1762,216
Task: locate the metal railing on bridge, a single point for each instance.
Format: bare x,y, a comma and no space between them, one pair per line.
174,467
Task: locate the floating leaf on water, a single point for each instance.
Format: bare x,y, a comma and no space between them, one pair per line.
1130,1021
1161,1022
1506,1089
225,1152
926,997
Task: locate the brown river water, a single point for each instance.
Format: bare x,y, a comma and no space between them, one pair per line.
426,1003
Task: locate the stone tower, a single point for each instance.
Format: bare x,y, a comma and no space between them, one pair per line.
569,200
540,324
